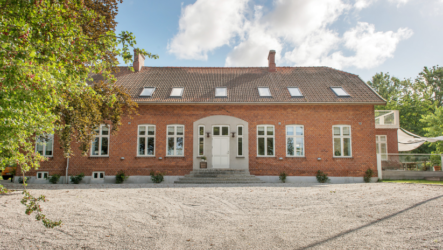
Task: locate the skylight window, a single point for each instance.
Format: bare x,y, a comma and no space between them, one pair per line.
221,92
177,92
339,91
264,92
295,92
147,91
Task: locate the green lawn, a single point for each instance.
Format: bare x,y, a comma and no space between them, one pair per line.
415,181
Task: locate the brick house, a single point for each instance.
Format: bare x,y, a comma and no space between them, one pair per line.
265,120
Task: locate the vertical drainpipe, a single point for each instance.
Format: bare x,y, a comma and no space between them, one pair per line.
67,167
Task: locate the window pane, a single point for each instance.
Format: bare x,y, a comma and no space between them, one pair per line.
294,92
261,146
105,130
337,147
225,131
39,146
151,146
240,130
299,146
142,130
102,175
289,130
171,146
382,138
39,175
95,146
104,146
179,130
270,130
240,146
216,130
346,146
270,145
337,131
383,148
48,147
290,146
264,92
177,92
221,92
346,131
147,92
171,130
201,130
45,175
339,91
201,145
376,138
151,130
141,146
261,130
299,130
179,145
95,175
377,150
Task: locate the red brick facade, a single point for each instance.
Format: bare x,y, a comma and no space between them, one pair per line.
391,137
317,120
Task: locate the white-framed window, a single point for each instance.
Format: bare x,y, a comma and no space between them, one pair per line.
42,175
240,140
147,91
177,92
100,144
220,130
264,92
339,91
221,92
342,140
265,140
295,141
382,146
98,175
295,92
146,140
201,140
44,145
175,144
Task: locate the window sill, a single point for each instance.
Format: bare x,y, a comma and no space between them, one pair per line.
265,156
295,156
175,156
240,156
98,156
343,157
145,156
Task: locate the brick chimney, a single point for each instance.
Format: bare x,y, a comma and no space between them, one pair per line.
139,61
271,61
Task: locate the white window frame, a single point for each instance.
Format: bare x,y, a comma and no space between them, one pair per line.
341,136
181,92
221,128
340,95
146,136
51,136
295,136
98,175
145,95
42,176
238,138
268,89
100,136
198,142
226,91
175,136
298,89
378,142
266,136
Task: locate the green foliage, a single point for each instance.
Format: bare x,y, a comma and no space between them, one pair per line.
322,177
54,178
121,177
282,177
4,190
203,158
32,205
20,180
367,176
156,177
77,179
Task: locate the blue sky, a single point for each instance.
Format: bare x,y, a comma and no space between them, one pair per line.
360,36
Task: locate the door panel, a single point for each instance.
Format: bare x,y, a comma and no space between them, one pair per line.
220,152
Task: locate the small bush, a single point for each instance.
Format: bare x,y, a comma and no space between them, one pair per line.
20,180
282,177
78,178
156,177
368,175
121,177
53,179
322,177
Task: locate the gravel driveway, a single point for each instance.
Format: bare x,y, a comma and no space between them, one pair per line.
265,216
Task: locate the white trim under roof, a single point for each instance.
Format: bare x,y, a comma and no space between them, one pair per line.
340,91
264,92
295,92
177,92
147,91
221,92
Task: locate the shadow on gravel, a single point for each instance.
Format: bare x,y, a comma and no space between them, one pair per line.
316,244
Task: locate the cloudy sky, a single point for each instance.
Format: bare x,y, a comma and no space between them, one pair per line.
359,36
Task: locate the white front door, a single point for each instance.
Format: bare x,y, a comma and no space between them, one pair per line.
220,152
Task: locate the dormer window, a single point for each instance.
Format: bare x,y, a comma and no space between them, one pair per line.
147,91
264,92
221,92
177,92
295,92
339,91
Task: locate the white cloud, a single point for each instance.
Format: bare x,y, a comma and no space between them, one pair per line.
361,4
207,25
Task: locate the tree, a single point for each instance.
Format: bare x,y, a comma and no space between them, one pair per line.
434,126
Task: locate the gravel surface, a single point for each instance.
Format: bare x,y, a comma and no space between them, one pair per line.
264,216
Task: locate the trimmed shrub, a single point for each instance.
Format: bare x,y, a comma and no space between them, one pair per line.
282,177
156,177
368,175
78,178
322,177
121,177
53,179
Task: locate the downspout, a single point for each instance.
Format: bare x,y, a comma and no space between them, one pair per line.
67,167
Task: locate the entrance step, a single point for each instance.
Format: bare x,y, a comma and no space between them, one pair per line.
225,176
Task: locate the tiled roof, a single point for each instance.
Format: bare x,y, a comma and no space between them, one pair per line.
199,85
